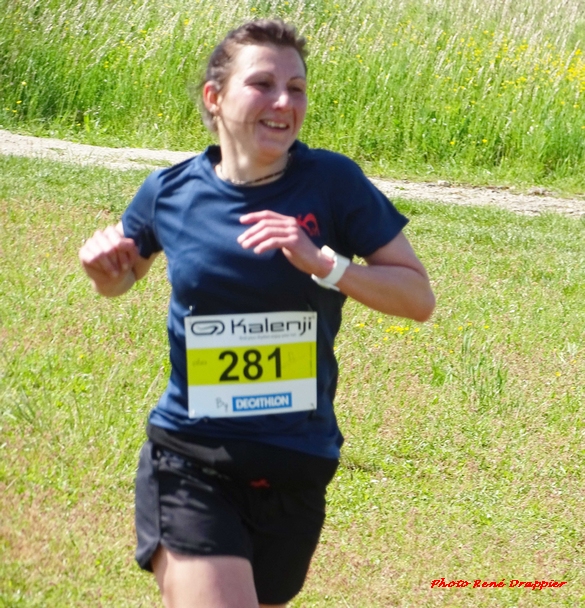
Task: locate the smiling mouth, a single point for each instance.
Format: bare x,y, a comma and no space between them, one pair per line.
272,124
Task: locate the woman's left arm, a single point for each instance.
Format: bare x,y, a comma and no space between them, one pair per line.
394,282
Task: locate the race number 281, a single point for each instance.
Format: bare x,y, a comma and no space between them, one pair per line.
252,368
262,363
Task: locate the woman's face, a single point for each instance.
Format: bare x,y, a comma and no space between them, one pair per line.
263,104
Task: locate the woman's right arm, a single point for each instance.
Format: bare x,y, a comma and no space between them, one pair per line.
112,261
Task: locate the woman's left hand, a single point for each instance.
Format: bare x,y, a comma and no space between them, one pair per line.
272,230
393,282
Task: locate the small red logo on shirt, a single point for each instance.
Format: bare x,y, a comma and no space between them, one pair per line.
260,483
309,223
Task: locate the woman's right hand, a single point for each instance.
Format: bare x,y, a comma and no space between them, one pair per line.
108,258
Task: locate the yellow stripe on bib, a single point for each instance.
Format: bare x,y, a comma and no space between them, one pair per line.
251,364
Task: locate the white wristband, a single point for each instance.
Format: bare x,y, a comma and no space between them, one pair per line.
340,263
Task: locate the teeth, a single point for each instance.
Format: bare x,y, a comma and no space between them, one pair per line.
275,125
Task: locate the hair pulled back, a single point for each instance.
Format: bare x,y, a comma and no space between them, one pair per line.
259,31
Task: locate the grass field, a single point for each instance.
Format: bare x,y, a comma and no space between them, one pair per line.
465,435
476,91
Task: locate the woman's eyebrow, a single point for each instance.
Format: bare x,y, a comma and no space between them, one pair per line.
269,74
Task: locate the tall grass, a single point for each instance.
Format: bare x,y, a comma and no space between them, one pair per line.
480,90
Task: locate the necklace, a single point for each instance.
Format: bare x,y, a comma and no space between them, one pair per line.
237,182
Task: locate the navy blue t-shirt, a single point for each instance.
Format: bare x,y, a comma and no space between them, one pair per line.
193,216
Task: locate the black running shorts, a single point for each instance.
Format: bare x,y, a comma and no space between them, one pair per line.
194,509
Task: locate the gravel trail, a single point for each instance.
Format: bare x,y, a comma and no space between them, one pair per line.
532,203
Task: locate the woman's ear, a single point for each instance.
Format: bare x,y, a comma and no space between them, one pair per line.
211,97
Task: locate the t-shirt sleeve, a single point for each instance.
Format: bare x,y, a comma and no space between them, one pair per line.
138,219
366,219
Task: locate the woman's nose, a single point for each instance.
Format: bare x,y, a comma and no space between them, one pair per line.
282,99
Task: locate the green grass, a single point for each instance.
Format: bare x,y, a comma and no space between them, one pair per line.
488,92
464,435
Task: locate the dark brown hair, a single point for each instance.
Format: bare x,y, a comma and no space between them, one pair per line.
260,31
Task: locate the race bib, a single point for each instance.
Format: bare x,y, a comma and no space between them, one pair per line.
250,364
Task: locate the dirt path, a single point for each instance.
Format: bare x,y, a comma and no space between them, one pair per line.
136,158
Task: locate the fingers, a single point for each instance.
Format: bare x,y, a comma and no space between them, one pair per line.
270,230
275,242
108,253
270,234
252,218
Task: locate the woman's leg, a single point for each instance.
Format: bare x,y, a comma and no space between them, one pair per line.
187,581
205,582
